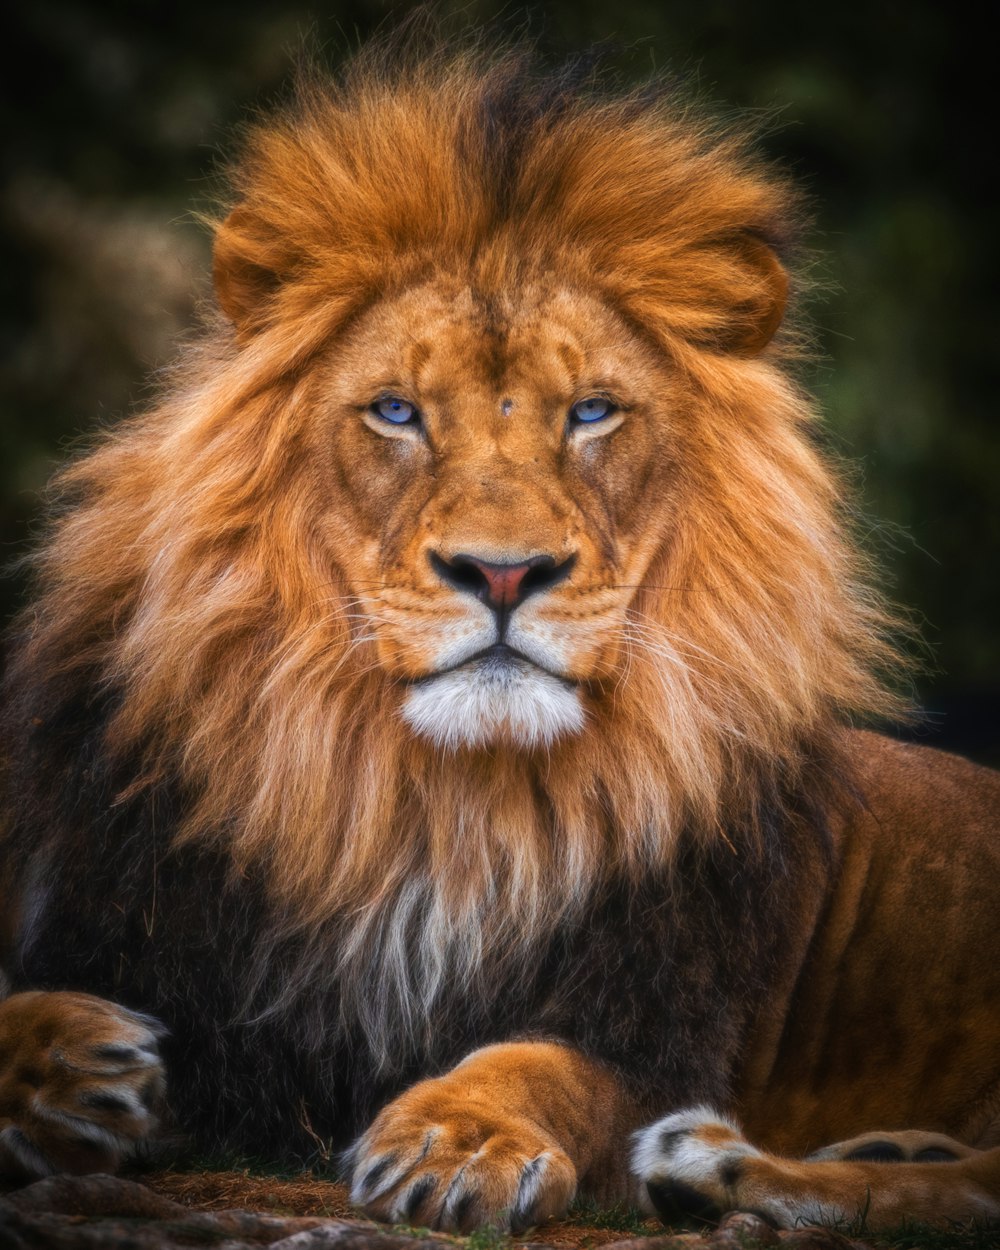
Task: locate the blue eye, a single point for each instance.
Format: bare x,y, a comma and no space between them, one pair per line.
395,410
590,410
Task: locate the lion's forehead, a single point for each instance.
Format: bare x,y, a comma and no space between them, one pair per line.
490,352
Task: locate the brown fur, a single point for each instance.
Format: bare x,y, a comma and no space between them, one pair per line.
250,568
80,1083
897,975
887,1018
959,1188
493,1114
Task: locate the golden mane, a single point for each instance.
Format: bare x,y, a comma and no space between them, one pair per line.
185,576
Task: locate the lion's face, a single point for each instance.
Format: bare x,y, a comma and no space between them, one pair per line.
492,523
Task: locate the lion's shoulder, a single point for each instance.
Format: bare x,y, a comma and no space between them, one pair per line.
919,793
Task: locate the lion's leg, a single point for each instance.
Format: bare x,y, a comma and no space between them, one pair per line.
80,1083
503,1138
909,1147
696,1162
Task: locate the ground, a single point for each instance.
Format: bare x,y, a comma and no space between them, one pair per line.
233,1210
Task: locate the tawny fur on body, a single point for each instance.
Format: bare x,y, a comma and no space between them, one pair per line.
459,658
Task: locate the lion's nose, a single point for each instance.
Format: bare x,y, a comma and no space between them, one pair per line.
501,586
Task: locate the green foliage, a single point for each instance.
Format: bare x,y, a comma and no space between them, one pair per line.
488,1238
913,1236
619,1217
271,1169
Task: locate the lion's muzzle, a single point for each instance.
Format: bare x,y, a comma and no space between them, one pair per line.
501,586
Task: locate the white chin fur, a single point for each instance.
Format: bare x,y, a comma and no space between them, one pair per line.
488,702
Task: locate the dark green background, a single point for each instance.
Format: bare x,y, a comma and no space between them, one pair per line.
115,115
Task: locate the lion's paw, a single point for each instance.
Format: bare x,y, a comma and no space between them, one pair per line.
458,1165
80,1083
689,1165
907,1147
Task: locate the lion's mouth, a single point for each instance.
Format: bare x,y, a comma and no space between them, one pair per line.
497,694
496,663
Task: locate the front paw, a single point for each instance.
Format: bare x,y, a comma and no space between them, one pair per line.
689,1165
450,1162
80,1083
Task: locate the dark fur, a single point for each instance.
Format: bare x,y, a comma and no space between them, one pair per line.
121,915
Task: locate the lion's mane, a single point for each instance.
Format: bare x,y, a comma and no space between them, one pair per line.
186,602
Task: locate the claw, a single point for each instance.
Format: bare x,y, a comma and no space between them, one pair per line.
95,1080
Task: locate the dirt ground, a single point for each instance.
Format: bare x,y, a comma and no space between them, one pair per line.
224,1191
231,1210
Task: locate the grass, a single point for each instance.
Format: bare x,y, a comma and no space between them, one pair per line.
487,1239
249,1165
913,1236
619,1217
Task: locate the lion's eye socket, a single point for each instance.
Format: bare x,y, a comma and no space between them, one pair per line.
590,410
395,410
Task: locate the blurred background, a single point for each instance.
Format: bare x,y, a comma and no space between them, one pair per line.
116,112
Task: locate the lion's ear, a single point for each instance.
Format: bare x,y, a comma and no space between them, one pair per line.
757,298
246,270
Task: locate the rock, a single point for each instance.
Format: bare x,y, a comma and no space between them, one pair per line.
740,1230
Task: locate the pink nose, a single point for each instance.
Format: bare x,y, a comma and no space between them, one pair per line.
503,582
500,586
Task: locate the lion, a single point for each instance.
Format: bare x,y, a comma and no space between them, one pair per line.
438,730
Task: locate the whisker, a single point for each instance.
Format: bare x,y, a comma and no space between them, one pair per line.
658,629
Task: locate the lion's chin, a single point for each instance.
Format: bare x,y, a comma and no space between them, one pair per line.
486,703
